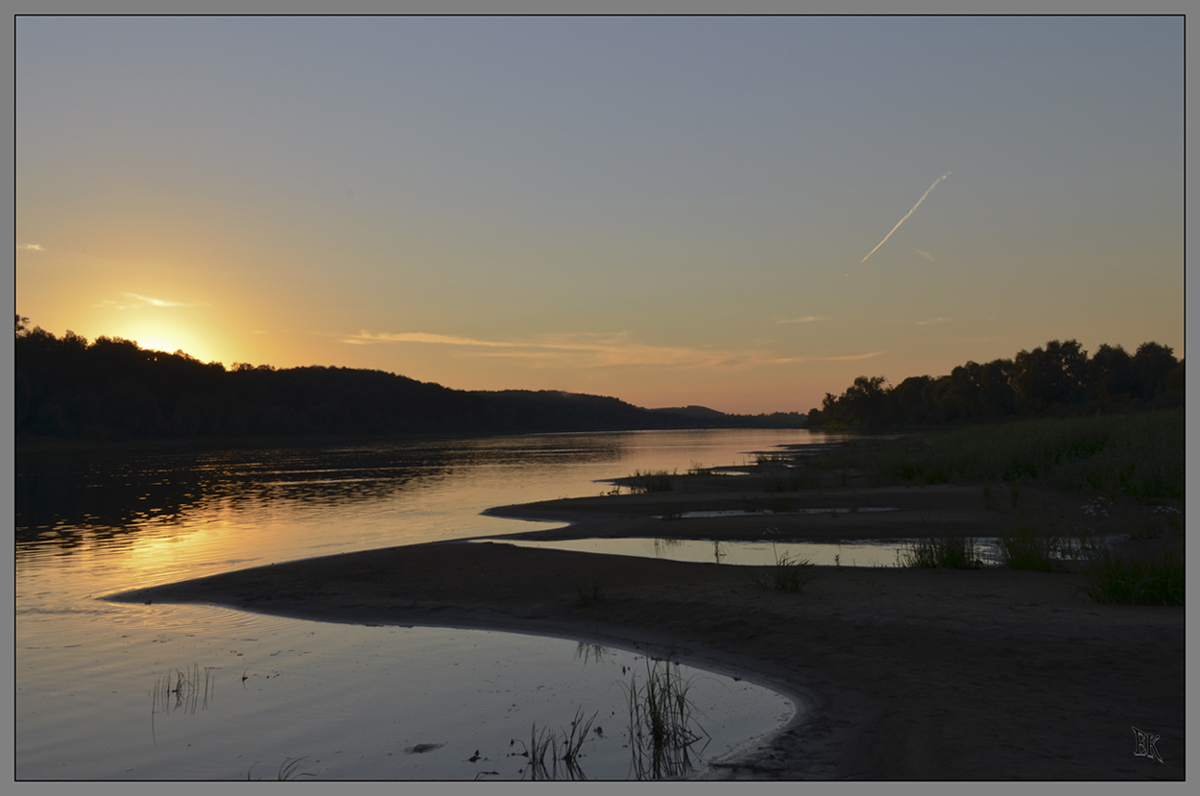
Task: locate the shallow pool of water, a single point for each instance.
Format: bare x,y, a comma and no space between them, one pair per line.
878,553
702,514
350,702
859,553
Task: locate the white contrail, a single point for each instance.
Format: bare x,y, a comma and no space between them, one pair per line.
906,215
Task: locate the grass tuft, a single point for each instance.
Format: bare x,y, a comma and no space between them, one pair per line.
544,744
662,724
1024,549
1135,581
590,591
652,481
941,552
288,770
790,574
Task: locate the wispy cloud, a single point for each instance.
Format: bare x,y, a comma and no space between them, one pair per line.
153,301
136,301
926,255
596,350
31,247
848,357
806,319
367,338
934,320
578,350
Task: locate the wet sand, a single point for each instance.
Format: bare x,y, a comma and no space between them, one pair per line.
902,674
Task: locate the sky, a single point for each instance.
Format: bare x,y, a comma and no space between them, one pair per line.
744,213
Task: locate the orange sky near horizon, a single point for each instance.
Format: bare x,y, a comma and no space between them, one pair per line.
669,211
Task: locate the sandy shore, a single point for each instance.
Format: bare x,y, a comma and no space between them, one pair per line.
903,674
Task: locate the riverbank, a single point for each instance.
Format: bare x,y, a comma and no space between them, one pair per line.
904,674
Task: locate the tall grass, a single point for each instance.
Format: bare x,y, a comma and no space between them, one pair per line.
662,724
563,759
288,770
651,481
1139,455
180,689
589,591
1022,548
790,573
1136,581
940,552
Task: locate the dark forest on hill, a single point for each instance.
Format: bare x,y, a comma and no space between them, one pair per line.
1056,380
111,389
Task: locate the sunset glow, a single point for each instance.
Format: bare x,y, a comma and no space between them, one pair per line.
667,210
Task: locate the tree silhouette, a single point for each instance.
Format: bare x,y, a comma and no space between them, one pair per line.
1111,375
1152,363
1057,378
1053,376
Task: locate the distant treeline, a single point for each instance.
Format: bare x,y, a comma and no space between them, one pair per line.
111,389
1059,379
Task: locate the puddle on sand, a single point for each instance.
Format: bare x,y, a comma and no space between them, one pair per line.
687,515
861,553
292,699
760,553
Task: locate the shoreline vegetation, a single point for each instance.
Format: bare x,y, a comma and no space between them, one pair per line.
1035,671
112,391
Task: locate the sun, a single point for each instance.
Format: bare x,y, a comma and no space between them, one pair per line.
158,334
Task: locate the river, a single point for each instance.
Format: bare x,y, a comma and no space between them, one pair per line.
114,691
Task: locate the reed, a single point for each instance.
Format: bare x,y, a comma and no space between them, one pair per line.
1139,455
789,573
651,481
941,552
563,760
180,689
590,591
1025,549
1157,580
662,726
288,770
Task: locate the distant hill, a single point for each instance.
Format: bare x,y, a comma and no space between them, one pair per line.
702,414
112,389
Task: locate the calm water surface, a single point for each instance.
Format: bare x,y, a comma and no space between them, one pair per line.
117,691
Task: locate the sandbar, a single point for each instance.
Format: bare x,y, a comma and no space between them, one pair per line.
991,674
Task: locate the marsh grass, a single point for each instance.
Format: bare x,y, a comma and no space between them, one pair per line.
940,552
671,511
662,723
288,770
590,591
652,481
1025,549
590,652
790,573
1139,455
1157,580
185,689
563,757
772,457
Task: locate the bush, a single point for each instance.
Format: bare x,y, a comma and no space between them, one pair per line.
1131,581
941,552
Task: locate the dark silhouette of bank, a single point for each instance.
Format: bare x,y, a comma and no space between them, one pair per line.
112,389
1056,380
